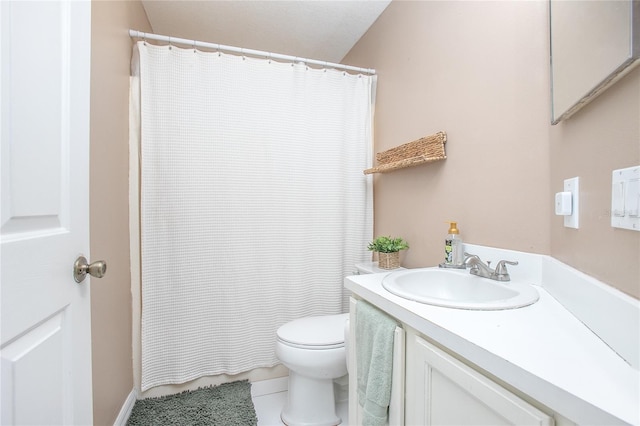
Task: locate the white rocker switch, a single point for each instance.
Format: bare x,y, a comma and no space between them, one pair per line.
617,199
632,198
625,198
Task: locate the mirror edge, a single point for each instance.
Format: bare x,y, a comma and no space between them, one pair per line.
629,64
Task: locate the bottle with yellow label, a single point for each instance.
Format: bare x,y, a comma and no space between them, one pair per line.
453,249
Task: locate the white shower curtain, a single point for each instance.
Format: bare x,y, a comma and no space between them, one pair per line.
254,205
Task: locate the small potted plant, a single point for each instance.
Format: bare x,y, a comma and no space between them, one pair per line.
388,250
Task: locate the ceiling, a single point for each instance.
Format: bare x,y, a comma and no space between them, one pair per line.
315,29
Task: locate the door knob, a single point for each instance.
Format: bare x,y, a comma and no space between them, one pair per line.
81,268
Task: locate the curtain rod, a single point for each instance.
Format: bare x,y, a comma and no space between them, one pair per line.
195,44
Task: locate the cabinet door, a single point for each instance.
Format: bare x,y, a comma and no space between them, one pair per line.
443,391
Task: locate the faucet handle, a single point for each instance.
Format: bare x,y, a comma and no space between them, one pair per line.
501,272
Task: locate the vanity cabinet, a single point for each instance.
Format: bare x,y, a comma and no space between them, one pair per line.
432,387
542,364
441,390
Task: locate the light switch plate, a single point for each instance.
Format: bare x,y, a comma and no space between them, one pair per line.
573,186
625,198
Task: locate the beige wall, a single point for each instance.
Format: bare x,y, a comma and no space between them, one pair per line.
479,71
601,137
111,295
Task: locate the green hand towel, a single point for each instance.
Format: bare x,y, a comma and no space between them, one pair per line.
374,353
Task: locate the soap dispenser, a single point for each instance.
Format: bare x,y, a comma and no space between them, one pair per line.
453,249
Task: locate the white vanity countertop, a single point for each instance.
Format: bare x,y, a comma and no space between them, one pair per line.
542,350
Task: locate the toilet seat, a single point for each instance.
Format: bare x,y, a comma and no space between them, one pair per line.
314,333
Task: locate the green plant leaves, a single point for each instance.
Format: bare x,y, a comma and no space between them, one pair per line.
387,245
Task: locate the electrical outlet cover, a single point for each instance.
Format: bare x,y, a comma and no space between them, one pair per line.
573,186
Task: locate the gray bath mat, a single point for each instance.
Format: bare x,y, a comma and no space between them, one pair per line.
228,404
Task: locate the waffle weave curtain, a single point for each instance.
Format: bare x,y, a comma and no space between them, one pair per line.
254,205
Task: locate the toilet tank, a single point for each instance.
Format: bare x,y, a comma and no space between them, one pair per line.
371,268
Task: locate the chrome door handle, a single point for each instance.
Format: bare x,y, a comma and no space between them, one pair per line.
81,268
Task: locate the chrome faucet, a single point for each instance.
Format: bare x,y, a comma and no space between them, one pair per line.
481,269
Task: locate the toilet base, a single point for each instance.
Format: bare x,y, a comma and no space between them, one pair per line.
311,402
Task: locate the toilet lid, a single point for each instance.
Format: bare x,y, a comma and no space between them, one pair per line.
322,331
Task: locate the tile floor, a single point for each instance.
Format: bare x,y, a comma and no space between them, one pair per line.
270,398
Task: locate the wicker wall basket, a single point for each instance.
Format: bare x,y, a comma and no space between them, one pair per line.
389,260
421,151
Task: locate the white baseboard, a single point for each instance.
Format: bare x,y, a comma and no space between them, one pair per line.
126,409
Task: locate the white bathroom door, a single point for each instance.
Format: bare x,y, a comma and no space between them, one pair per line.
45,331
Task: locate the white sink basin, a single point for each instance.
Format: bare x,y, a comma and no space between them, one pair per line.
458,289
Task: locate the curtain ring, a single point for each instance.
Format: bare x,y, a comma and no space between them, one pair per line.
218,50
170,43
194,47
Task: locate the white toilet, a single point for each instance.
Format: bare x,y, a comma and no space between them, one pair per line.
313,348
